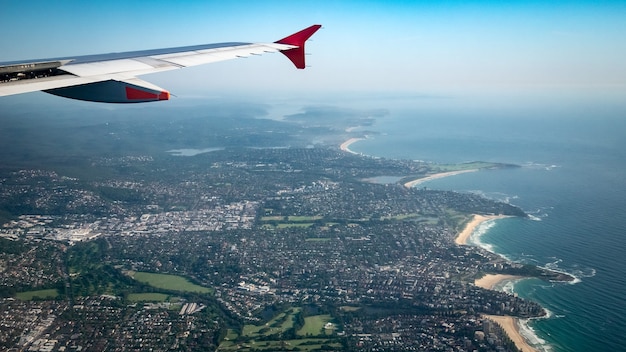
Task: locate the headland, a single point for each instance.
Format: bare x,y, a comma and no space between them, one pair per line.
418,181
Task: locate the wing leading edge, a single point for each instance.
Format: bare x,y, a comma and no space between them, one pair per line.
112,78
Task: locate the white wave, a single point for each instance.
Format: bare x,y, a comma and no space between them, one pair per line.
577,273
476,239
507,257
509,287
479,231
581,272
540,166
540,213
530,335
548,315
575,281
525,329
528,258
508,199
554,264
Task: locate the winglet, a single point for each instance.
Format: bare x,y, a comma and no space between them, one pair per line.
296,55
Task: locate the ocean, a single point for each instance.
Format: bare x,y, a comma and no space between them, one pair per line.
572,181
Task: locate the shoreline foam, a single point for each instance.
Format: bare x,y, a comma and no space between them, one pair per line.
471,226
511,326
490,281
418,181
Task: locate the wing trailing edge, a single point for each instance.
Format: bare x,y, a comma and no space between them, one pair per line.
112,91
112,78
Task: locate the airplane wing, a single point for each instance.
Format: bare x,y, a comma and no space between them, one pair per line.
112,78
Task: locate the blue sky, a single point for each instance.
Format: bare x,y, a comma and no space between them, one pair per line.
374,46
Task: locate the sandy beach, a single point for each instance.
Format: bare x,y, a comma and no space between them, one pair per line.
509,324
435,176
345,146
464,235
490,281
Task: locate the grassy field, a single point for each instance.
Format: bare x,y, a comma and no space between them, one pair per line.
314,325
457,218
299,224
282,222
29,295
255,336
147,297
280,323
231,334
401,216
169,282
300,344
303,218
272,218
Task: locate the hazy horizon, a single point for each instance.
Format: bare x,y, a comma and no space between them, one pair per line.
398,46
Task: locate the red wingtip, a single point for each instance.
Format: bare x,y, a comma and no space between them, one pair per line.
135,94
164,95
296,55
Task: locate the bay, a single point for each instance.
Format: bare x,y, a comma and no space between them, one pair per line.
572,183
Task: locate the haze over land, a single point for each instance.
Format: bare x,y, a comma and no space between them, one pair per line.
269,218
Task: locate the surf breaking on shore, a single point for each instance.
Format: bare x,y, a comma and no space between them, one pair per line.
511,325
471,226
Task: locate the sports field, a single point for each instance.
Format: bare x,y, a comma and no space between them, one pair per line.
169,282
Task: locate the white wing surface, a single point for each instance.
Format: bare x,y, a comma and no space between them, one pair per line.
112,78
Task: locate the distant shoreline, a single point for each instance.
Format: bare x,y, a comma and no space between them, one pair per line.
509,324
418,181
345,146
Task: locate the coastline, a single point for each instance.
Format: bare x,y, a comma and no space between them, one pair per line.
464,235
345,146
511,326
435,176
490,281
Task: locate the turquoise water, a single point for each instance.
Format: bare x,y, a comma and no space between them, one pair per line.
573,183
